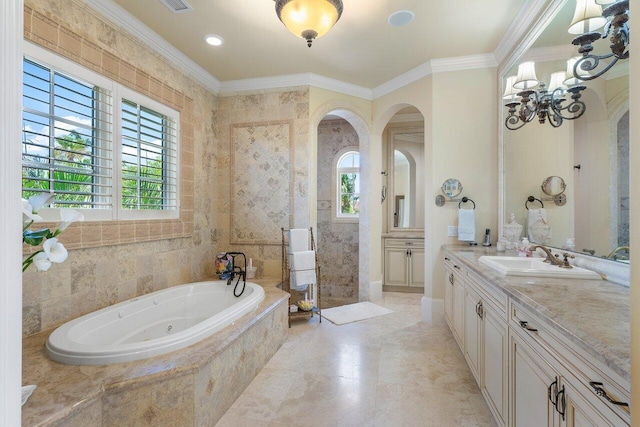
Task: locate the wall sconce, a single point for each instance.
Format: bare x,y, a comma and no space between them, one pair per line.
542,103
588,18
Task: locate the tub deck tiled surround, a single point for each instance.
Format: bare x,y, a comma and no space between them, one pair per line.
192,386
592,314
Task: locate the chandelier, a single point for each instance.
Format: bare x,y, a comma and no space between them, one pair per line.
535,100
588,18
309,19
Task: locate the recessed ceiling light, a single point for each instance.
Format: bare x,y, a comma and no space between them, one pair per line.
401,18
214,40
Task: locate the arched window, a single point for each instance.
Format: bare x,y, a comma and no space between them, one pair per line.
347,185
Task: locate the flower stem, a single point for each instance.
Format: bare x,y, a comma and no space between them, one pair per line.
27,262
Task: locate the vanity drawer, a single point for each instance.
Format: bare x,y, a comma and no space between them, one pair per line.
404,243
591,377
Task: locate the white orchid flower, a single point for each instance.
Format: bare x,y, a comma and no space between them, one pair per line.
40,200
56,252
41,261
68,216
27,212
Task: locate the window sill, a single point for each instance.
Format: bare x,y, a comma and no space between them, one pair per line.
94,234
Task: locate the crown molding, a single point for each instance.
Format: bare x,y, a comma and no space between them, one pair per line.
233,87
538,18
518,29
112,11
550,53
459,63
403,79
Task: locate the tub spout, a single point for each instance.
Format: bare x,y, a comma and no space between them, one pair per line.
238,272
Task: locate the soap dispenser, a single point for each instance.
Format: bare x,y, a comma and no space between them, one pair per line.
523,248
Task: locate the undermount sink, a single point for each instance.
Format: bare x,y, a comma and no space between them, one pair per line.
522,266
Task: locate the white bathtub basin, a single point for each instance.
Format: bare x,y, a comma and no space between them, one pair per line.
152,324
522,266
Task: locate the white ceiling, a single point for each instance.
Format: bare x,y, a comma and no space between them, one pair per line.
361,49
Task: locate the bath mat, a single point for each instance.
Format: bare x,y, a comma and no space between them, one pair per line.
354,312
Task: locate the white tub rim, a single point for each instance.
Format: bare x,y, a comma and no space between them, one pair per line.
83,354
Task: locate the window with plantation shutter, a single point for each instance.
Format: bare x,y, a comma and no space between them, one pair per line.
66,138
149,157
100,147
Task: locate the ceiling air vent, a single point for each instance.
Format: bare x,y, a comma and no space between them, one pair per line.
177,6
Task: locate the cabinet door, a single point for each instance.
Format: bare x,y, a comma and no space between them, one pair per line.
449,279
472,331
532,378
458,311
495,354
396,267
417,268
580,412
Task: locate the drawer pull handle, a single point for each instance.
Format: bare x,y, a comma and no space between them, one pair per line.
526,326
554,393
561,402
479,309
447,259
597,387
455,266
451,278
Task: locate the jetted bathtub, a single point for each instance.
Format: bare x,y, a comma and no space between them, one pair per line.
152,324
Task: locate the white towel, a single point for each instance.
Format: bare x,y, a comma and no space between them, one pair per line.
466,225
298,240
300,280
532,217
303,269
305,260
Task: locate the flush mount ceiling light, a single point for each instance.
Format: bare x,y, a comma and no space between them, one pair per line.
214,39
401,18
309,19
588,18
546,104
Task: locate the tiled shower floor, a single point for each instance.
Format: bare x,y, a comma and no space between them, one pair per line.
388,371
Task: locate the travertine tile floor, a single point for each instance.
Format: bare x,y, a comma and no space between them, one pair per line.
388,371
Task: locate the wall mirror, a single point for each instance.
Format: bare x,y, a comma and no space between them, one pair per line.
589,153
553,186
451,188
405,177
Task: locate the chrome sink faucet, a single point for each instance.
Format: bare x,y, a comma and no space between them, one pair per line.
551,259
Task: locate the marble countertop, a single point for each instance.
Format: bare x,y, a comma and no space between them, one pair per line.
593,314
63,389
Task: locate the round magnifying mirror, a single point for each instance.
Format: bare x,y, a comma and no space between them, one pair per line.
553,186
451,187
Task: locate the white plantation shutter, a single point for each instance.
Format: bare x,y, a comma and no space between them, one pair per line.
66,138
99,146
149,158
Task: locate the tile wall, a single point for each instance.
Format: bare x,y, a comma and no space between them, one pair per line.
276,175
338,248
115,260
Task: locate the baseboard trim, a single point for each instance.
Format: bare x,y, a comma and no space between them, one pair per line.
432,309
375,290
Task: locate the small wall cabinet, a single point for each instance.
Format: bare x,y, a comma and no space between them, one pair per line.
404,264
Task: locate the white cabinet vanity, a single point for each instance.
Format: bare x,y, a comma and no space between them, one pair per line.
541,351
404,264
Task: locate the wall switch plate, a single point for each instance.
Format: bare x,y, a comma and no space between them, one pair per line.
452,231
